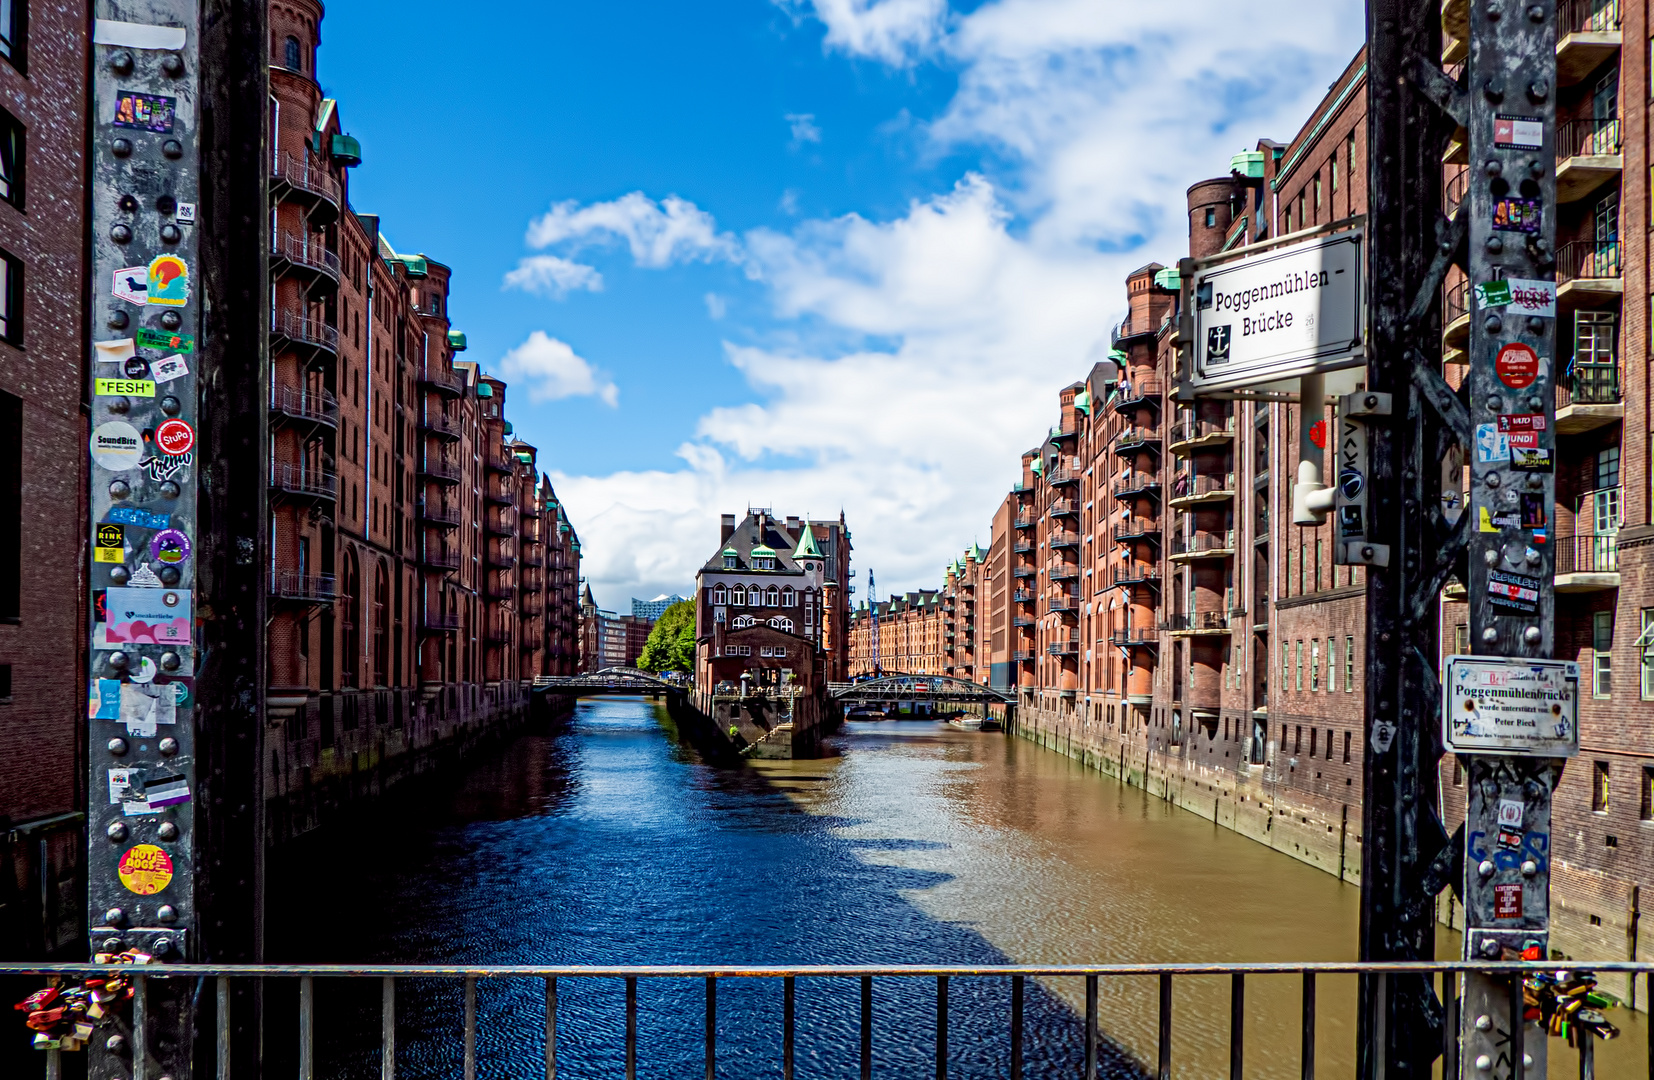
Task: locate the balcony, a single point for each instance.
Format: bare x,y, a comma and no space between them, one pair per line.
501,560
498,460
1023,596
495,497
533,558
443,380
1589,397
1190,435
1024,521
1022,620
1022,656
1063,603
1589,271
439,622
1064,540
304,481
502,524
1587,563
1022,571
1134,573
1023,547
1062,571
1202,546
302,333
438,423
302,257
1587,35
1190,490
1135,637
1135,485
1456,320
498,635
294,179
1067,474
440,557
1137,440
1067,646
1588,156
1066,430
1198,623
433,512
303,588
304,405
1065,508
439,469
1133,528
1137,393
1453,195
498,591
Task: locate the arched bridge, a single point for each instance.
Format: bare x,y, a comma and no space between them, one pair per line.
899,687
614,680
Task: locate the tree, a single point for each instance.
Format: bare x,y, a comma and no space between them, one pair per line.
671,644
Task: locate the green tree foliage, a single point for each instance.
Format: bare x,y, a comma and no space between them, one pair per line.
671,644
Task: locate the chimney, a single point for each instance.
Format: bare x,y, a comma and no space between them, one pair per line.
793,524
726,528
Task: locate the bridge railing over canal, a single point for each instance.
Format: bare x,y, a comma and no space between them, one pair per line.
217,983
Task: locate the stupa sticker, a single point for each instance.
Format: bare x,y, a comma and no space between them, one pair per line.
169,281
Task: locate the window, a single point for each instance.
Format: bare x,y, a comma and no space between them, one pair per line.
772,598
1329,744
788,597
11,298
1645,653
1602,645
729,562
781,650
1349,665
1314,677
1461,638
1318,196
1596,337
781,622
1608,467
764,650
11,32
738,597
1286,668
1647,809
11,507
741,622
1313,732
11,159
1349,153
1286,219
1599,787
1346,748
1298,740
1332,664
291,56
720,596
1332,171
1211,217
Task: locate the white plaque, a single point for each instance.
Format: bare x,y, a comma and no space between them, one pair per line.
1511,705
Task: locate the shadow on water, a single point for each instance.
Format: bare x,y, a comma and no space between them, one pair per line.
608,842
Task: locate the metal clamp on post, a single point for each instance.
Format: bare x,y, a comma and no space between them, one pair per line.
1354,545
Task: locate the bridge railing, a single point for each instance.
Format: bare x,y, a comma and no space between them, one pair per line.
578,1028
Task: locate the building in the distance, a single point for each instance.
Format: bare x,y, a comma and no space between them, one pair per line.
651,610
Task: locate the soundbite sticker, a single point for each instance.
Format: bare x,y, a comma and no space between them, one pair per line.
116,446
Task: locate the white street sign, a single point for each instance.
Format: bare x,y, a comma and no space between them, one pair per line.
1287,312
1511,705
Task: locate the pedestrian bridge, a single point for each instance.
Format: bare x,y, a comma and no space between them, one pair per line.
615,680
900,687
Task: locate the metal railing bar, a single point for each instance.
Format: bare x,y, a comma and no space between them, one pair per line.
787,1027
1016,1027
1165,1070
470,1029
1091,1027
1450,1028
1517,1051
1237,1025
941,1027
631,1027
867,1030
711,1028
1308,1053
140,1029
387,1029
307,1027
1650,990
551,1029
223,1027
1587,1054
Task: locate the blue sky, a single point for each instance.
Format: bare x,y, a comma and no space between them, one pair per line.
811,254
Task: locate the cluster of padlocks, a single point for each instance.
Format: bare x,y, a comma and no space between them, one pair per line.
64,1017
1566,1004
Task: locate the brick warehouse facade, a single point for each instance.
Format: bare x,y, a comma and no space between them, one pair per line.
421,570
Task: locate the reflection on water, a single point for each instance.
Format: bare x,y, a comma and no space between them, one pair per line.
609,843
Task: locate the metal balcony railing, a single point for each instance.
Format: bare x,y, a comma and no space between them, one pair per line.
1024,521
298,479
1063,602
1143,390
1135,635
435,513
296,327
1588,259
1202,542
300,173
1135,573
1022,571
1588,554
1594,136
497,591
1064,539
498,460
1064,646
432,373
1064,429
1019,656
303,251
1136,528
1453,195
440,621
1136,439
1062,571
1200,620
502,524
441,468
318,406
438,422
1063,474
308,588
1590,384
1186,486
1065,508
1023,596
441,557
1135,483
1456,301
1022,547
1022,620
1587,17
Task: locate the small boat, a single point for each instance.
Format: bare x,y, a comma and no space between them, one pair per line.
966,723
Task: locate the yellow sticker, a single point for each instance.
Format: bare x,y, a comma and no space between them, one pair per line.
109,544
1484,523
111,555
129,387
145,869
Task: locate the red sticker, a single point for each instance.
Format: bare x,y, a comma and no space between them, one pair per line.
1517,365
175,437
1318,434
1507,901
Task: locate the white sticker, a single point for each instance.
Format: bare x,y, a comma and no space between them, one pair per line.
1530,297
169,368
1491,444
120,785
146,671
1510,813
145,708
186,213
131,35
118,351
131,283
116,446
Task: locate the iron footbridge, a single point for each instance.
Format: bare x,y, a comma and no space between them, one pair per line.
936,688
614,680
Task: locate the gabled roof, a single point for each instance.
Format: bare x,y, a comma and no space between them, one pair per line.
762,534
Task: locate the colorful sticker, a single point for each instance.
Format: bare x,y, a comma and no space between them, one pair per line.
142,578
162,469
1533,511
149,616
1531,459
109,544
146,671
1507,901
175,438
131,515
1529,296
122,783
131,283
164,339
1519,132
185,213
1510,813
1509,840
126,387
169,546
145,869
1517,591
106,705
1517,365
115,352
145,708
1518,215
169,368
1492,294
1318,434
1491,446
168,281
144,112
162,791
116,446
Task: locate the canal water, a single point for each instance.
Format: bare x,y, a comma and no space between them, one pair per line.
609,842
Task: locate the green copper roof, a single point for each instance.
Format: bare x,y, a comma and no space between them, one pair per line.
484,390
346,150
762,551
731,551
1082,401
806,548
1039,466
456,340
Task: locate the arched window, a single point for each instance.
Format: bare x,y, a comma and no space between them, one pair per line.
720,596
782,623
353,621
381,624
293,58
738,597
788,597
773,597
742,622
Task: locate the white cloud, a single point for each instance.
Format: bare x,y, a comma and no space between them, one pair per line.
552,276
889,30
551,370
658,233
804,127
715,305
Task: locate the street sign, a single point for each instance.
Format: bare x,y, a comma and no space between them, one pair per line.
1512,705
1291,311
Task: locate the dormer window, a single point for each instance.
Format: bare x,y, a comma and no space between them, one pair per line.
729,562
763,564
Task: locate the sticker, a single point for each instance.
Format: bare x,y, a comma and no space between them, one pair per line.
131,283
1510,813
160,469
107,704
163,339
1522,424
1519,132
1507,901
185,213
121,785
136,367
1384,732
109,544
100,605
146,671
168,790
175,437
142,578
1537,459
131,35
1517,365
144,112
145,869
1510,841
170,368
1533,511
1493,294
1318,434
149,616
1490,444
1349,522
168,281
1517,215
116,446
169,546
1516,591
114,352
144,708
131,515
1530,297
180,692
128,387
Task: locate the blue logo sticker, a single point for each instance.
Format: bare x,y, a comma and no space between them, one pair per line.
131,515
